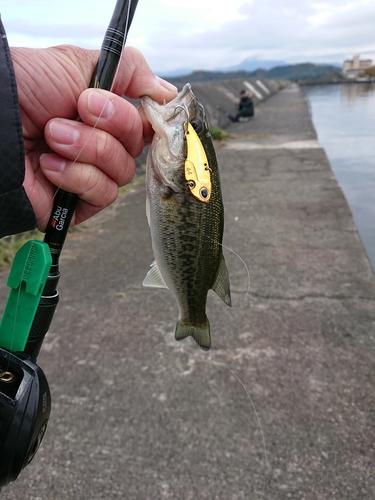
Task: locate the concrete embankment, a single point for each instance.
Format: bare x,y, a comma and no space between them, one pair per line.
225,94
220,97
139,416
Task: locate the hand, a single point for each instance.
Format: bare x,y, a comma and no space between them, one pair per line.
90,158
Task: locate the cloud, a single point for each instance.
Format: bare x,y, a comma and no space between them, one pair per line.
206,34
294,32
55,30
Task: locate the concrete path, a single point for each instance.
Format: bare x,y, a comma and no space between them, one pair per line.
139,416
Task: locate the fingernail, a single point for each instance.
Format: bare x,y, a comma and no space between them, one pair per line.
167,85
63,133
99,105
53,162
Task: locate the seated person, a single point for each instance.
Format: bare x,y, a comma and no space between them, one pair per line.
245,108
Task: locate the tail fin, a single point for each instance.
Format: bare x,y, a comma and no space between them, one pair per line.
201,334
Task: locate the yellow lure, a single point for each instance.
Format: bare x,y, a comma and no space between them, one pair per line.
197,170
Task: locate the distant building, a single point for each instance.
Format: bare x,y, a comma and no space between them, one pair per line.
355,67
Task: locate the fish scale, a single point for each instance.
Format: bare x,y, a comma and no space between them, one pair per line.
186,233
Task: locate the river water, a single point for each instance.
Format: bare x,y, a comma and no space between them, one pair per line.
344,119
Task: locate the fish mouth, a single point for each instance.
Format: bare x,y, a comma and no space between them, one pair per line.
181,110
185,107
170,122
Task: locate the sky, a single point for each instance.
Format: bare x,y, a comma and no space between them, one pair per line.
204,34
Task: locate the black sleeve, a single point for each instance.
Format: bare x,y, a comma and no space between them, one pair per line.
16,212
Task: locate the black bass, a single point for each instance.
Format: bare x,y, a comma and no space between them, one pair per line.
185,212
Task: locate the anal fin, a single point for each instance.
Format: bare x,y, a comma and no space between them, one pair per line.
154,278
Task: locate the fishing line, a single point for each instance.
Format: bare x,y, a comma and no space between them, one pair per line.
266,463
244,264
222,363
110,55
84,145
247,271
215,360
118,34
256,414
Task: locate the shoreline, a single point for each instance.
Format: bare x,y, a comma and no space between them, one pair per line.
303,83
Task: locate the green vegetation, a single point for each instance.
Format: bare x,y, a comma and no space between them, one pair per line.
218,134
136,180
305,71
370,71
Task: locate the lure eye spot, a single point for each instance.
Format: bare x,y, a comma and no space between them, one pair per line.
204,193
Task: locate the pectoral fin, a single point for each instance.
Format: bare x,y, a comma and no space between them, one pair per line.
221,285
148,211
154,277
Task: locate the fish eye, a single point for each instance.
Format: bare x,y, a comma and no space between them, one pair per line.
197,125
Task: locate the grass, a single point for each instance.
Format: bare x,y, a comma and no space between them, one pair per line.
218,134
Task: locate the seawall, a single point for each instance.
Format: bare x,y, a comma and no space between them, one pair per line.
224,94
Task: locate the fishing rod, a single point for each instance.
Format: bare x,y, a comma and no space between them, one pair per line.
25,400
64,202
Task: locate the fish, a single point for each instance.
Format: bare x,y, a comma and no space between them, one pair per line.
185,212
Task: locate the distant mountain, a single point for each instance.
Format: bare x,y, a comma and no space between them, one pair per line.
254,64
295,72
246,65
206,76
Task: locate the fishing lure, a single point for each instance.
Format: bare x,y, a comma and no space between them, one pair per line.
197,170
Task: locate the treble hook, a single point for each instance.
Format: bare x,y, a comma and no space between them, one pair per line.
185,109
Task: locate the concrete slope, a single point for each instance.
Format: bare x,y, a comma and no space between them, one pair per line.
281,407
224,95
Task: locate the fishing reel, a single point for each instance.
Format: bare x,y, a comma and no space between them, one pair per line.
25,406
25,400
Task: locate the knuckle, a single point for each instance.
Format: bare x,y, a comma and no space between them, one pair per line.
104,148
106,193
